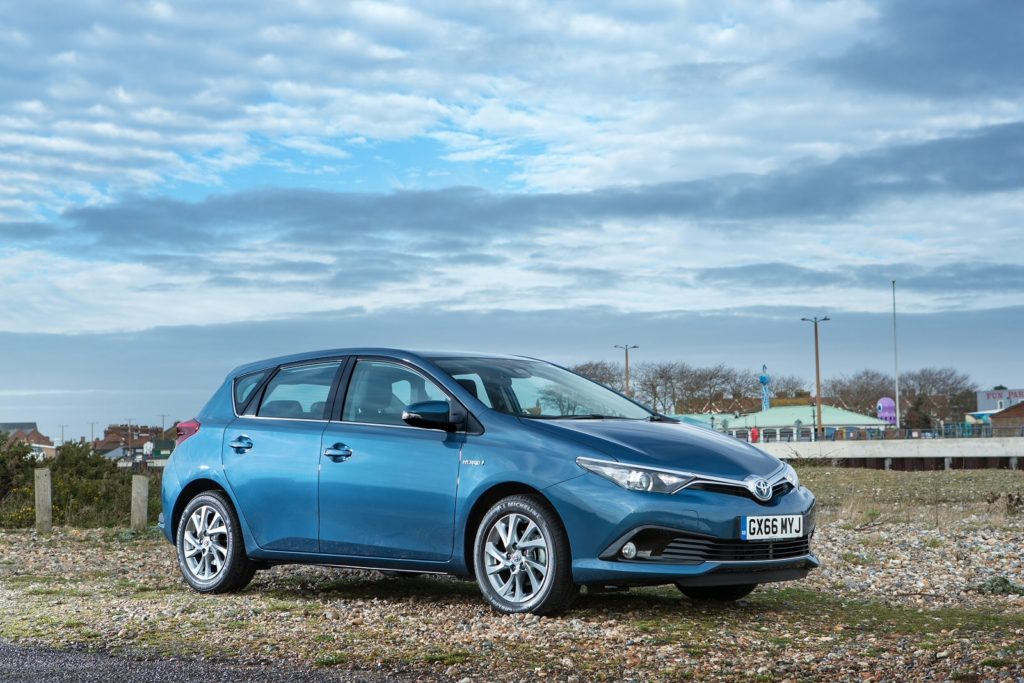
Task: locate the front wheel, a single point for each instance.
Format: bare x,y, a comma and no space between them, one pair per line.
717,593
211,552
522,557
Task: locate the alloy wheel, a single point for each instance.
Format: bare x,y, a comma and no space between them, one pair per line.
205,543
516,557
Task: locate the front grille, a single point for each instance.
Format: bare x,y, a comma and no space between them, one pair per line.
656,545
694,550
779,489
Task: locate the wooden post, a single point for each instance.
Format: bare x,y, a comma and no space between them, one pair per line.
44,504
140,501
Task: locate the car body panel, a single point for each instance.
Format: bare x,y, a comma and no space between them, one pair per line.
394,497
663,444
276,480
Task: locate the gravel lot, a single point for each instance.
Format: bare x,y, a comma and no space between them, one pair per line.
920,581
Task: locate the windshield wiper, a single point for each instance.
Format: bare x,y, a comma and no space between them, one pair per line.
591,416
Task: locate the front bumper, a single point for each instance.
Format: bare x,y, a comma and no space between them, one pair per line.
600,517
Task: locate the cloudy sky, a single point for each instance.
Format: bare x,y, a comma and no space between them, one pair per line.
186,187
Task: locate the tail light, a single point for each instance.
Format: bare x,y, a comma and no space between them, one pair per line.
185,430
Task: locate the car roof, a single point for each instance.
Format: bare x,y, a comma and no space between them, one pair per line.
400,354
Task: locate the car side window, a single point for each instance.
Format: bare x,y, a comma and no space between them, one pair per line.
299,392
474,384
245,385
380,391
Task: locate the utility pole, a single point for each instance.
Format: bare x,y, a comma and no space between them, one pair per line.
626,348
92,431
817,369
162,428
62,434
129,437
895,357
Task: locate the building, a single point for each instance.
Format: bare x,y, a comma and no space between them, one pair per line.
791,423
28,432
999,399
1009,421
126,441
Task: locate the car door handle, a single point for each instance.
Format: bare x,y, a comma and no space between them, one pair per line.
338,452
241,444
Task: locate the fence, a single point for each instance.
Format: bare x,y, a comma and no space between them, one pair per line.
907,454
807,433
138,517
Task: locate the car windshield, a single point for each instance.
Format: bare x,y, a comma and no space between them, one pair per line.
535,389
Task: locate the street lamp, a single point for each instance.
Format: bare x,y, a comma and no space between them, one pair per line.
817,368
626,348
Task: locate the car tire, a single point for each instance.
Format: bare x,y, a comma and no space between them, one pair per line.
717,593
522,558
211,550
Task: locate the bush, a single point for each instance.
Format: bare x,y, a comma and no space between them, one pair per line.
88,489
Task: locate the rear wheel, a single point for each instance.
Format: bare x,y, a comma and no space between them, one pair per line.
211,552
522,557
717,593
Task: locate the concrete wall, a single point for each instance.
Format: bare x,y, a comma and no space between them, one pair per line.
1010,447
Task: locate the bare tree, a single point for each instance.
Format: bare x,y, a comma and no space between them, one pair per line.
714,383
941,393
655,383
609,374
788,386
860,391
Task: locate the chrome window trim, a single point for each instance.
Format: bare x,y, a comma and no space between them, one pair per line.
273,372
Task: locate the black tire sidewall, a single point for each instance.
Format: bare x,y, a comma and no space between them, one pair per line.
558,565
235,544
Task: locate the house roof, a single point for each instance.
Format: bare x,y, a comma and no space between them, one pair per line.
1016,410
786,416
11,427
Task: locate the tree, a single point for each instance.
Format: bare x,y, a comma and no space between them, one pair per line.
945,393
15,465
655,383
714,382
860,391
609,374
787,386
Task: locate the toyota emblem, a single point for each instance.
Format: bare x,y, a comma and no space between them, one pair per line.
761,489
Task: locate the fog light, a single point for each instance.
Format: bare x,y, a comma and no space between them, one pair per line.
629,551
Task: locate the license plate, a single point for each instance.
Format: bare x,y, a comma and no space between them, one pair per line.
776,526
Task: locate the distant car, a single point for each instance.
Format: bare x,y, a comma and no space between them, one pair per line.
514,471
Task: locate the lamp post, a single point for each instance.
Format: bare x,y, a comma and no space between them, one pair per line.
895,357
626,348
817,369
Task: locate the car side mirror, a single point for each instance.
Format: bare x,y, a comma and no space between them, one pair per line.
430,415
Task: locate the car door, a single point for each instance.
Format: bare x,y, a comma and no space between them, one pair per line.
387,490
271,456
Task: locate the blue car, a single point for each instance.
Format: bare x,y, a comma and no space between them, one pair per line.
513,471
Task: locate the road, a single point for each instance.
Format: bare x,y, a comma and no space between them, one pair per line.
29,664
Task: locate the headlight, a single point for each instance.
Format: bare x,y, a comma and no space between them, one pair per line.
636,478
791,476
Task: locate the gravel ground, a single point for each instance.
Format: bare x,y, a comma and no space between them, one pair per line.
922,591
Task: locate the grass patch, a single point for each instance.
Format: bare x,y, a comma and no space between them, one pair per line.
1000,585
333,659
858,559
996,662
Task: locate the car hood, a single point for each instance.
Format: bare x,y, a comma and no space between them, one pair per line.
665,444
